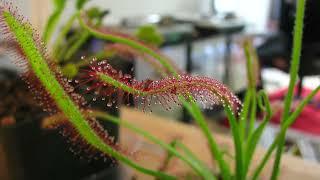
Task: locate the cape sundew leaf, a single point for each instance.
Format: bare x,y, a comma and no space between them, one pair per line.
105,80
47,84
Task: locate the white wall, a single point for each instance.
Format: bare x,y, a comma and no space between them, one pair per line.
253,11
125,8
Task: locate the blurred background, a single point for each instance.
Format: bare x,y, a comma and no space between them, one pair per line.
205,37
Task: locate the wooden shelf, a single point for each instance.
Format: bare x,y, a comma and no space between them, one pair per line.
151,156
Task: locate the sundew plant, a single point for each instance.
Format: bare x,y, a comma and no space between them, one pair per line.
78,123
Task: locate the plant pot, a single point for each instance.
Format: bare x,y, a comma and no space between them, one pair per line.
35,153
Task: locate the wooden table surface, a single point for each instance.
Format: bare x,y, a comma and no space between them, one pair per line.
152,156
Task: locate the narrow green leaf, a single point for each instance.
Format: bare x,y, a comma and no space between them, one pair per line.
199,168
283,130
254,138
53,19
237,142
296,53
80,4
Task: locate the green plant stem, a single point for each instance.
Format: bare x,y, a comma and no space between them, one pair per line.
53,21
76,45
299,108
297,44
237,142
254,138
253,112
248,114
283,131
84,36
265,159
80,4
63,33
169,156
191,161
191,155
193,109
251,86
244,114
65,46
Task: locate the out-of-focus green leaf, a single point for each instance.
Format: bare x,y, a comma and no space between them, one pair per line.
53,19
81,3
59,4
149,35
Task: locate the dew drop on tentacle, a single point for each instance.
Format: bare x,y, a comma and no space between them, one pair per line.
109,104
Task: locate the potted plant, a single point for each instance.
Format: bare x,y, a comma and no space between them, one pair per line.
79,123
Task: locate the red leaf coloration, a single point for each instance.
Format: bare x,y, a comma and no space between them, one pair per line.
207,91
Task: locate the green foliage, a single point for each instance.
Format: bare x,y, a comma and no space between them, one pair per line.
198,167
64,48
149,35
190,104
59,4
245,136
81,3
53,19
57,46
95,13
123,40
70,70
294,69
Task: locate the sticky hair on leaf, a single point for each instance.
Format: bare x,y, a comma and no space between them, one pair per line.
53,91
105,81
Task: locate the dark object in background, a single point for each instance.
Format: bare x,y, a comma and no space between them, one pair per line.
33,153
280,45
311,22
276,51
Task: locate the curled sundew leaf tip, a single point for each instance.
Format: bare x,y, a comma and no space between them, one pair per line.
106,81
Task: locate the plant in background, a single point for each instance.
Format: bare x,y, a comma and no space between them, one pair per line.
80,125
70,40
53,20
149,35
